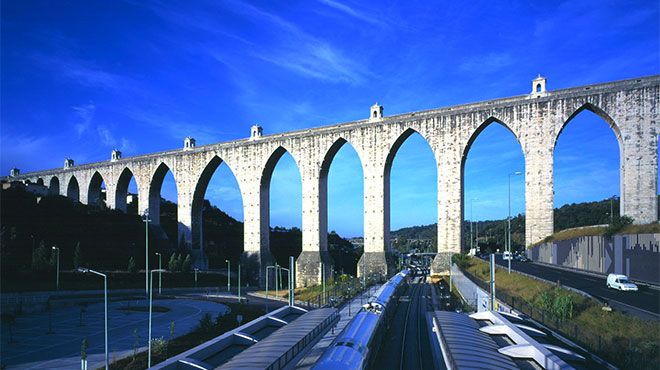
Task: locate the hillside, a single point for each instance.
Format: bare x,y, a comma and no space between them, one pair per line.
107,239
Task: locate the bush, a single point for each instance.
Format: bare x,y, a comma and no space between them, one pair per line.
158,347
206,323
461,260
175,263
77,257
618,224
41,259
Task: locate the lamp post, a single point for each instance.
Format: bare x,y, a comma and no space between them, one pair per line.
105,294
239,283
509,220
151,293
146,221
160,275
228,275
612,209
196,269
57,274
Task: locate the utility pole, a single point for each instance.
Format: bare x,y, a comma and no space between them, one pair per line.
146,221
509,220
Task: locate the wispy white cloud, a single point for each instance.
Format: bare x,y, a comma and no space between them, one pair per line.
84,116
352,12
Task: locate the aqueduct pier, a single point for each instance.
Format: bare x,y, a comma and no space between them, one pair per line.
630,107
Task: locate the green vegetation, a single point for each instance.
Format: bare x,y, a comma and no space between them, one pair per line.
104,239
207,329
626,341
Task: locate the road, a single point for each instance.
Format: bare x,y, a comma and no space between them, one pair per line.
406,343
647,300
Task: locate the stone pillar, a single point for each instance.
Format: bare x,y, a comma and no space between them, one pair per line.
539,191
256,252
111,199
639,168
314,227
373,262
450,208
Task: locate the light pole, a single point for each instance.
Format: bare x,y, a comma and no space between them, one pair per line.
509,220
196,269
612,209
160,275
146,221
57,274
239,282
151,294
228,275
105,295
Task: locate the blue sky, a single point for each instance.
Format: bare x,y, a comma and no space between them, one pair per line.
80,78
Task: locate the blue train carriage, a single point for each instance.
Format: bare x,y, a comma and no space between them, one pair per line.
353,347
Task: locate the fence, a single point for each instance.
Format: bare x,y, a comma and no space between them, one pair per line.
625,352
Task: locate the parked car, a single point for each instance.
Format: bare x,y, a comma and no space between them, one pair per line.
507,255
620,282
522,258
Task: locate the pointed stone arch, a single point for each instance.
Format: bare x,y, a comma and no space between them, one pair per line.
73,189
94,196
155,186
121,191
40,181
54,186
597,111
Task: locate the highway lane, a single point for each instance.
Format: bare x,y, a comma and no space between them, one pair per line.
646,299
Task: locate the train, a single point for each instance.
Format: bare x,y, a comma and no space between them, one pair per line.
354,347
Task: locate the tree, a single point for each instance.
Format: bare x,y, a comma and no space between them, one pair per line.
179,262
41,259
77,257
171,264
186,264
132,267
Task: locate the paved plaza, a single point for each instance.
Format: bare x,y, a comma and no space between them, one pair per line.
34,348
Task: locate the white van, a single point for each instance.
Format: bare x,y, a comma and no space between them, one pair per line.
620,282
507,255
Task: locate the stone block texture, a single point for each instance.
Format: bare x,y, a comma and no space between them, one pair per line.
630,107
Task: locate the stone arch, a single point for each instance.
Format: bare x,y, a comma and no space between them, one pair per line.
323,186
155,186
121,191
597,111
94,191
73,189
466,150
264,192
198,200
54,186
40,181
394,148
557,172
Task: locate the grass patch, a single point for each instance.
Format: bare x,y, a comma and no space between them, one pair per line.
652,228
342,288
208,329
626,341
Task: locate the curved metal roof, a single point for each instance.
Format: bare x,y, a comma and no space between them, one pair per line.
467,346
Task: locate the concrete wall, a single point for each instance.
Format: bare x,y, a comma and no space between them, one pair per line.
536,120
635,255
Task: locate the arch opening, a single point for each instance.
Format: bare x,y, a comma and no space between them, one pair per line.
217,215
96,195
586,171
40,181
281,199
163,212
341,193
73,190
126,196
54,186
493,190
411,197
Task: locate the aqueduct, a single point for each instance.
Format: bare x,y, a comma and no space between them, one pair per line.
536,119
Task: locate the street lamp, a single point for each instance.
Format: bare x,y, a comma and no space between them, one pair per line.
151,291
160,275
509,219
228,275
471,222
612,209
196,269
105,294
57,274
146,221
